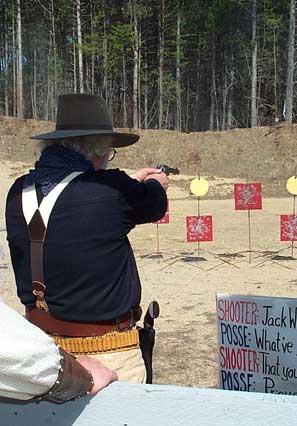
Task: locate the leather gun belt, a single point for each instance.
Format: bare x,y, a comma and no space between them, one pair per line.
89,338
47,322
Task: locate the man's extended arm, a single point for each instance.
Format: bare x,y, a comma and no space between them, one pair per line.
148,197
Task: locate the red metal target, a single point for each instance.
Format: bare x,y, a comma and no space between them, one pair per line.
288,227
199,228
248,196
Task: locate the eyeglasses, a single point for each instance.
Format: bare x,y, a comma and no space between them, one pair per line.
112,154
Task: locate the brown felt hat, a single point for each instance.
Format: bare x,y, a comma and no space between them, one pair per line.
83,115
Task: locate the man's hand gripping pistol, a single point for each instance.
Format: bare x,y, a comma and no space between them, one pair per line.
167,170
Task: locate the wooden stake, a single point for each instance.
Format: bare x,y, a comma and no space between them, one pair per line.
294,212
198,211
250,240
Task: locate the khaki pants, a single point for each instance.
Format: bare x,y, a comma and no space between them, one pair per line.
128,365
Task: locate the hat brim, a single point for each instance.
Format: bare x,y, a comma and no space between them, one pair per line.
119,139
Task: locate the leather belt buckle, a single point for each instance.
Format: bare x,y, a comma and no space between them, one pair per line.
131,322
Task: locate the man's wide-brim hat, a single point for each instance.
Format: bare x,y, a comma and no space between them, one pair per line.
83,115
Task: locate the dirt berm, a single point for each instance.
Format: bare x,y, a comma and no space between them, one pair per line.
264,154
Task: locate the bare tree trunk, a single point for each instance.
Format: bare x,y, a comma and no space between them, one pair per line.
229,112
34,97
74,66
124,92
187,106
133,18
254,65
230,97
214,116
224,99
48,94
275,76
105,77
6,104
80,53
290,67
20,106
213,88
216,105
54,94
197,98
161,63
139,79
49,113
135,71
178,74
212,110
93,73
93,58
145,92
110,96
167,122
14,64
87,77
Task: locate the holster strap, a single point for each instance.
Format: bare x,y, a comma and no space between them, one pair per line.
111,342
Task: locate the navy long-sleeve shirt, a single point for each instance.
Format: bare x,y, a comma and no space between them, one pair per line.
89,267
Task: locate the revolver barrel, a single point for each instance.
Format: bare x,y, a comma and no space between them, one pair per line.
167,169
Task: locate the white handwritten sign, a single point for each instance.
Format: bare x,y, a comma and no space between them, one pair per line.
257,344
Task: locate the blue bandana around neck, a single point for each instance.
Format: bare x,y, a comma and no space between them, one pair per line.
55,163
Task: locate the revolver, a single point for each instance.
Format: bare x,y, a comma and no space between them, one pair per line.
167,170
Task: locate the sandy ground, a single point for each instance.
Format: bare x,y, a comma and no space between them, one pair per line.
186,343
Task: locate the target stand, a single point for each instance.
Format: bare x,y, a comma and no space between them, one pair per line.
248,196
199,228
288,231
158,254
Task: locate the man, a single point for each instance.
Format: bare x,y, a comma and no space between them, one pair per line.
32,367
67,226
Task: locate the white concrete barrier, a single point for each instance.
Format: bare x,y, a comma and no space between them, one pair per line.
123,404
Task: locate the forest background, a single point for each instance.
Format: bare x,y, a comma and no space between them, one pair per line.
185,65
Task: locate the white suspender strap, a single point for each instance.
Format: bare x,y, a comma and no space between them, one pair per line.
30,203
